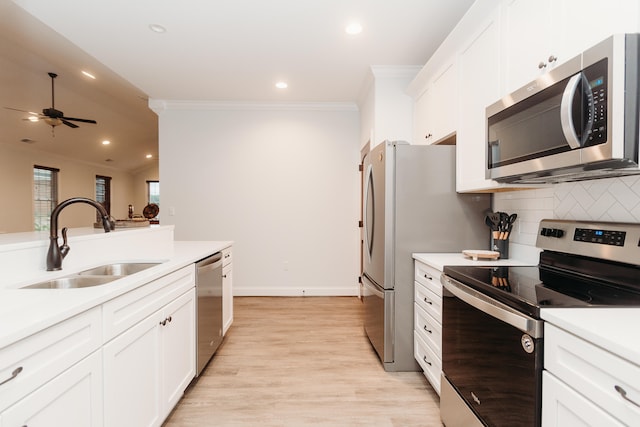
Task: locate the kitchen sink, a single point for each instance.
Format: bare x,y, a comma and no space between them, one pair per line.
72,282
96,276
118,269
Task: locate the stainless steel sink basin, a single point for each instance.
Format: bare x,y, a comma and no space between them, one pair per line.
118,269
72,282
95,276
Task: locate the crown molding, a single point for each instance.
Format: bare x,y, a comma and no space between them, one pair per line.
160,105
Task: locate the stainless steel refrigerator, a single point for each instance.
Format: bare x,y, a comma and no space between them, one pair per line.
410,205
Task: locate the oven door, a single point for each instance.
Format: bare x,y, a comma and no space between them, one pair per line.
491,361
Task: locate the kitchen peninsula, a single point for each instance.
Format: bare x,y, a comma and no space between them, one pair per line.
100,350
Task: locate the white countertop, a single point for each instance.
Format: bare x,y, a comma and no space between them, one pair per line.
613,329
439,260
27,311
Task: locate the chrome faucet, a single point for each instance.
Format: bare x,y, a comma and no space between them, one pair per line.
56,253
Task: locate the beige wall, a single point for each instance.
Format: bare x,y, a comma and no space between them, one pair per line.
75,179
140,179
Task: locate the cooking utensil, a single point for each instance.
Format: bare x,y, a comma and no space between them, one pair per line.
492,226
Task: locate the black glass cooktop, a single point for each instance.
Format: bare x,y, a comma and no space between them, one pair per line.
528,289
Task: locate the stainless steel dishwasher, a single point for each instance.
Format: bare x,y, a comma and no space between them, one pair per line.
208,308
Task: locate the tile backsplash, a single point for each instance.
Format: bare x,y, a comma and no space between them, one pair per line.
611,199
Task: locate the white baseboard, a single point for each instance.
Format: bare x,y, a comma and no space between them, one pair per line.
295,292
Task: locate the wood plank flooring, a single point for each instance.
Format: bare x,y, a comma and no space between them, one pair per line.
302,361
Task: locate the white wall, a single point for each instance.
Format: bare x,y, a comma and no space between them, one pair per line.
611,199
76,179
282,182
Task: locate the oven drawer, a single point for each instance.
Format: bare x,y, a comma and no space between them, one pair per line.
429,330
429,301
428,276
595,372
429,362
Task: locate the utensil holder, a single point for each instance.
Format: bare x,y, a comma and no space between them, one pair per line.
502,246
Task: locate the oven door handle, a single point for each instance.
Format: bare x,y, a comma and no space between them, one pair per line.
493,308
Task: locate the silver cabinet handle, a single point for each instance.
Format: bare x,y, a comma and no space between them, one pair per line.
13,375
552,58
428,330
623,393
541,65
424,358
427,301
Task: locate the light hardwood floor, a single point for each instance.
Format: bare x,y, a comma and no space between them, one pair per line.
302,361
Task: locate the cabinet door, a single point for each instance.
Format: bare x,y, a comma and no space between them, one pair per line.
178,349
527,28
445,102
227,298
423,118
562,406
73,398
132,387
479,86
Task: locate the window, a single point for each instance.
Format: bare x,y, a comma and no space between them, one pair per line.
153,192
103,194
153,196
45,195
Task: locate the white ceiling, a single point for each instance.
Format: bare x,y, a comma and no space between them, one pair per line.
228,50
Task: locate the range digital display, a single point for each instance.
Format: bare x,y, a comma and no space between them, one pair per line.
604,237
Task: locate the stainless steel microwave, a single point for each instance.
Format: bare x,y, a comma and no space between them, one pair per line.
578,121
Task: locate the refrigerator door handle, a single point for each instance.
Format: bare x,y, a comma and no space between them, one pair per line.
369,204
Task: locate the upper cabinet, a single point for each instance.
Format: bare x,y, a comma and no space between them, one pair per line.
542,34
496,48
435,110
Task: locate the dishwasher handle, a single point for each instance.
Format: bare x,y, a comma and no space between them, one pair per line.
210,263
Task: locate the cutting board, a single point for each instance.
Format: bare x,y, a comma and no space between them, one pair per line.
477,254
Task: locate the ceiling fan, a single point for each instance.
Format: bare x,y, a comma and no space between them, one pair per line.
54,117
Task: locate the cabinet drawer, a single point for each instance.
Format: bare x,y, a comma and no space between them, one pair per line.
127,310
429,362
429,330
227,256
429,301
595,372
563,406
428,276
42,356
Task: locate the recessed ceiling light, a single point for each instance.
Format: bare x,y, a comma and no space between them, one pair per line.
282,85
353,28
156,28
88,74
148,156
106,142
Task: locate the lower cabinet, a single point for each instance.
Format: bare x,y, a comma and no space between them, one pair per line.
427,341
148,367
73,398
227,290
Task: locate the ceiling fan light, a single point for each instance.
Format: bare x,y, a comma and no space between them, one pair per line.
53,122
33,118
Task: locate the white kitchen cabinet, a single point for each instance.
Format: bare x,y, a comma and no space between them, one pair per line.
539,35
37,359
427,343
73,398
227,290
148,367
479,85
606,388
435,107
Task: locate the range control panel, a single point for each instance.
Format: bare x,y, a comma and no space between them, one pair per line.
615,241
605,237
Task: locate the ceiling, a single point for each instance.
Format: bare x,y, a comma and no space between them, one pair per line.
212,50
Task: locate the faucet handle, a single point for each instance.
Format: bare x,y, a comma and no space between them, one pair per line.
64,249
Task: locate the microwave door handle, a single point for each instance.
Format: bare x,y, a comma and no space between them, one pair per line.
566,114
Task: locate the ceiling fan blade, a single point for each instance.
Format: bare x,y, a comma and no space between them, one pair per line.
71,125
22,111
80,120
